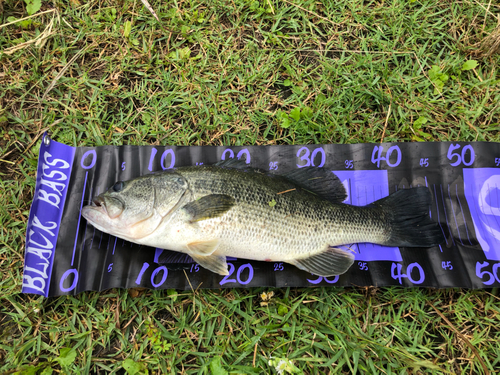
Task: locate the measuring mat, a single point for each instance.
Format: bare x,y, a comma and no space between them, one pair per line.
66,255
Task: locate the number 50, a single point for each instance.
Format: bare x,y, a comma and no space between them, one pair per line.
460,157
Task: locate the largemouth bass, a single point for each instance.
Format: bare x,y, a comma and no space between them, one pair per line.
230,209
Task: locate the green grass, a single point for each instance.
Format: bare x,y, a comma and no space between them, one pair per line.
234,72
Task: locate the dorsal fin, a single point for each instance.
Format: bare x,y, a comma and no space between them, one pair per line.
232,163
320,181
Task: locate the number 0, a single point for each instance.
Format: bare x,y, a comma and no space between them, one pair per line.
163,278
421,273
388,155
472,155
65,276
164,156
250,274
323,157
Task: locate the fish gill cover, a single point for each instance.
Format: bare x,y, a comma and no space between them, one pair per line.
66,255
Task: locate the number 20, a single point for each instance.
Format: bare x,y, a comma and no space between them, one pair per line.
241,268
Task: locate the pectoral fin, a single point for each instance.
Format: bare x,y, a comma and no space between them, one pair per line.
203,248
331,262
208,207
212,263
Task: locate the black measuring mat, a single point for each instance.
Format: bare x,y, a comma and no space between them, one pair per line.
66,255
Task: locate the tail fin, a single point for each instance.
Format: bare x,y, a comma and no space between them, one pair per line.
408,214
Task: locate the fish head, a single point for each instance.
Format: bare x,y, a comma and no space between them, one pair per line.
133,209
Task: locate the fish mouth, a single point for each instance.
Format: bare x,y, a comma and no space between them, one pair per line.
97,214
113,207
98,202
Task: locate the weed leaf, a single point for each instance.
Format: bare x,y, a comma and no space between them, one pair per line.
295,113
127,29
216,367
33,6
470,64
419,122
66,356
132,367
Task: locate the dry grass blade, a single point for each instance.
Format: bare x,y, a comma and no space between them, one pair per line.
311,12
487,9
35,139
385,125
285,191
192,290
27,18
491,44
467,342
39,41
63,70
255,353
150,8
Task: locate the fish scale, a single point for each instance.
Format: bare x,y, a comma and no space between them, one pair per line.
230,209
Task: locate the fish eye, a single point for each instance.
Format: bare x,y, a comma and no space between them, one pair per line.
118,186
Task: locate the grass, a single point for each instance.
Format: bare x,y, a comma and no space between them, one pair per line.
234,72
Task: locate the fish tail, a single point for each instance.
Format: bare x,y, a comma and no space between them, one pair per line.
407,213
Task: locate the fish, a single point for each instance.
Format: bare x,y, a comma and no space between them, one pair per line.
229,209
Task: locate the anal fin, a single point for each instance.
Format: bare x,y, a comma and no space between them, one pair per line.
214,263
203,248
331,262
